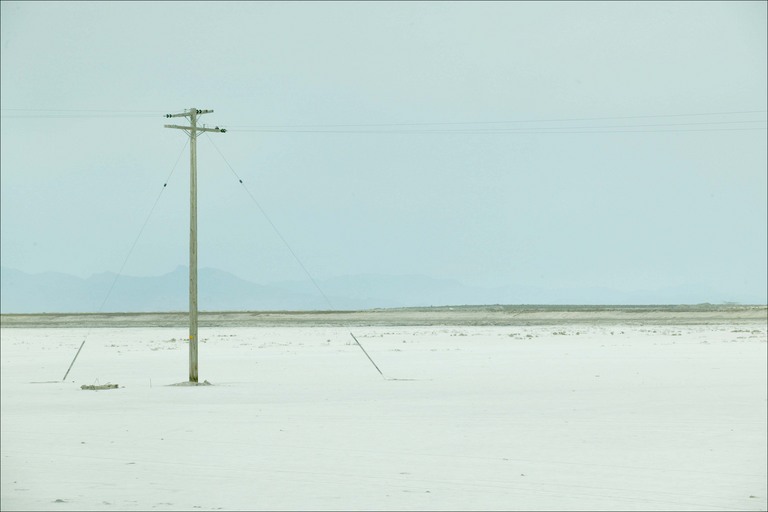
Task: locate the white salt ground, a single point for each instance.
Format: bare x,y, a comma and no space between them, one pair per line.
600,417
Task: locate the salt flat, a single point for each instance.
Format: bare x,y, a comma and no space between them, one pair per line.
607,415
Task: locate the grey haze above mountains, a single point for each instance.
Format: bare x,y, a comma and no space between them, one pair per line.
52,292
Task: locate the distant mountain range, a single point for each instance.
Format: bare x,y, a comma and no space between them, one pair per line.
52,292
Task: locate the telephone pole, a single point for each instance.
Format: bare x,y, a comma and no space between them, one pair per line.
191,131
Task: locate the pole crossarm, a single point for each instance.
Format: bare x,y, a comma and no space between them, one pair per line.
188,113
198,128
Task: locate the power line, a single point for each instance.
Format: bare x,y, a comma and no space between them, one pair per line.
496,132
26,113
49,113
80,110
75,116
503,122
523,131
459,127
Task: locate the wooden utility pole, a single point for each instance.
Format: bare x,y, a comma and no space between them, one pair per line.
192,130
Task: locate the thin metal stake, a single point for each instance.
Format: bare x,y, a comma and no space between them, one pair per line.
73,360
366,354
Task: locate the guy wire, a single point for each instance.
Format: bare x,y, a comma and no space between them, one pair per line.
298,260
125,261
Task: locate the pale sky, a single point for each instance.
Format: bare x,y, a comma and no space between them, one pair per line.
475,165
